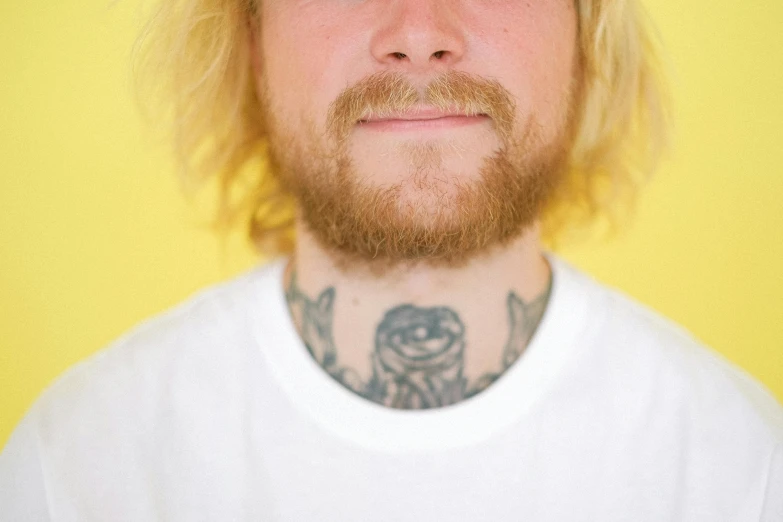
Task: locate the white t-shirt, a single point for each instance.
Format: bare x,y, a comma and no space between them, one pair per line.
215,411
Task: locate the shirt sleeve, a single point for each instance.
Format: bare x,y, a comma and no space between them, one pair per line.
772,510
22,485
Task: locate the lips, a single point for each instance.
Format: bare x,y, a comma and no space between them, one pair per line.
419,114
421,119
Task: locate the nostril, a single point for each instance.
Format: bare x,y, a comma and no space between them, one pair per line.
399,56
438,54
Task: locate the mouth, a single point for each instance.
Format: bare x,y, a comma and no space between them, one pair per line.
420,118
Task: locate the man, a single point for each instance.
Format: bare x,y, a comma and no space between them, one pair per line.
419,355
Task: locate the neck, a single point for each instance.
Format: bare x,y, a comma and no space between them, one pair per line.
418,337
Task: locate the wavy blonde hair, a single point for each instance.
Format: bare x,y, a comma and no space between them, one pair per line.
193,65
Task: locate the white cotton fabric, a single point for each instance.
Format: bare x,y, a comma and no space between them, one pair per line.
215,411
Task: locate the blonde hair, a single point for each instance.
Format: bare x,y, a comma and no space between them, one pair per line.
193,57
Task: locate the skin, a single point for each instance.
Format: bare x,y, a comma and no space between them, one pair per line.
364,327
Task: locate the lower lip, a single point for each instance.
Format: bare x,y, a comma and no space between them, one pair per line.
446,122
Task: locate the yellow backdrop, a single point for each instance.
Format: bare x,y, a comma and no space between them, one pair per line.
95,238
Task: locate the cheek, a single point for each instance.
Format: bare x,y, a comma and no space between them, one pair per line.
531,49
306,45
555,67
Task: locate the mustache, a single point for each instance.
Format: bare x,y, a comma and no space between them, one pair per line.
386,93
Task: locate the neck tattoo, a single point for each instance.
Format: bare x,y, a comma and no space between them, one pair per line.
417,361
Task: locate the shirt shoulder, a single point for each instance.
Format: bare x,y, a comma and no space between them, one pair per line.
179,379
659,356
684,405
188,348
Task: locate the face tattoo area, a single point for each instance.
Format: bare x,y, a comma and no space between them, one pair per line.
411,351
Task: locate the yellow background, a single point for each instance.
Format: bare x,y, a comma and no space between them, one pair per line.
94,236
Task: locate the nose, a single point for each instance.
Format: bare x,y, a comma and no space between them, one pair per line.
419,35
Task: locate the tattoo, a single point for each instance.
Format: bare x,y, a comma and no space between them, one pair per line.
418,358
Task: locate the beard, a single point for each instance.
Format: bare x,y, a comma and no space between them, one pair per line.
430,216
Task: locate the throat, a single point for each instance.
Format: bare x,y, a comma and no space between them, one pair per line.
416,353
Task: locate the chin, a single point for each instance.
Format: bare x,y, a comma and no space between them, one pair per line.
421,178
426,208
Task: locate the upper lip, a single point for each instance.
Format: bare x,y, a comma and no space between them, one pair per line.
418,113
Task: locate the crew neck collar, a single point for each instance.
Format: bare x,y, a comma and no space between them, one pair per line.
358,420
